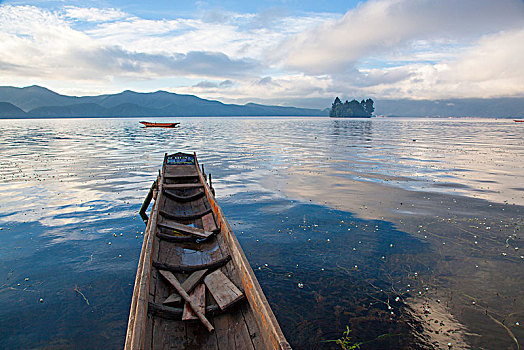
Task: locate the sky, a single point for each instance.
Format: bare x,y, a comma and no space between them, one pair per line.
283,52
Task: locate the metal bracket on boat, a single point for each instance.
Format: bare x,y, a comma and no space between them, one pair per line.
211,185
146,203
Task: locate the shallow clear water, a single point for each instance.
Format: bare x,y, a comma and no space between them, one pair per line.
70,191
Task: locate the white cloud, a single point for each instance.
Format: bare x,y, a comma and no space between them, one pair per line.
379,27
383,48
42,44
93,14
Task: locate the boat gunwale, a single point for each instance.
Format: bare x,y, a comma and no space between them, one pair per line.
136,329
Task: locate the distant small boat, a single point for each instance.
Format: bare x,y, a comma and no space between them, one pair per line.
159,125
518,120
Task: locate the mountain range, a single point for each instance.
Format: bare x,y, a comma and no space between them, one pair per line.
39,102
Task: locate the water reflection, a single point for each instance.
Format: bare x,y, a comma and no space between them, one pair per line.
322,202
358,131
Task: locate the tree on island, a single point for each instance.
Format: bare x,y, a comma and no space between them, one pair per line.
351,109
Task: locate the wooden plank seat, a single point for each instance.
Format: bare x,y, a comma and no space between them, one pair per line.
190,216
181,176
181,198
191,268
185,185
222,289
197,232
176,239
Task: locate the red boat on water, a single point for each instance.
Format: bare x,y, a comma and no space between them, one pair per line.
159,125
518,120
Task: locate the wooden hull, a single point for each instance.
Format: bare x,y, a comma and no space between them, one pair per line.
184,213
159,125
518,120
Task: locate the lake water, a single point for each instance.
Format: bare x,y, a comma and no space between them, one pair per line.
405,230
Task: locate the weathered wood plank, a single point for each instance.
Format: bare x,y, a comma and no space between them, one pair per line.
174,313
188,285
184,198
180,170
224,337
191,268
185,229
249,318
198,296
184,216
174,282
180,176
179,186
208,222
222,289
252,327
175,239
136,336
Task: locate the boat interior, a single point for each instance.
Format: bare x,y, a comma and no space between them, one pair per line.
190,247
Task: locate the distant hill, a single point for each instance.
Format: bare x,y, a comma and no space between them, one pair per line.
506,107
8,110
36,101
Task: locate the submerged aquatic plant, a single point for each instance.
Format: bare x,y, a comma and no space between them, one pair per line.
345,341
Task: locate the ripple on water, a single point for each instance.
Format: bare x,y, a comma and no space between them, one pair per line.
68,188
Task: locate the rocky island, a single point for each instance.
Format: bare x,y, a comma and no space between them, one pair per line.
351,109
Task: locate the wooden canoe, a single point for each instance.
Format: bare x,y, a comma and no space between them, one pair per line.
159,125
190,253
